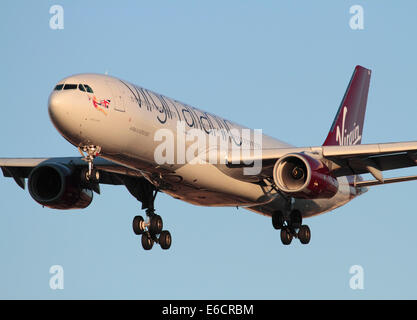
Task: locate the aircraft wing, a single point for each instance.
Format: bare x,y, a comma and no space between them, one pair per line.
343,160
20,168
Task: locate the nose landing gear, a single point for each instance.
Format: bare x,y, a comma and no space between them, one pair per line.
90,174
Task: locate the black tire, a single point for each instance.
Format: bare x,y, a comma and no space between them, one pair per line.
296,219
304,234
286,236
155,224
147,241
165,240
137,225
277,220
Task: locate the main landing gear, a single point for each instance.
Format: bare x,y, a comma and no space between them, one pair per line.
291,227
151,229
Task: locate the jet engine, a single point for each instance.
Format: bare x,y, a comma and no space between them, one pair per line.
300,175
58,186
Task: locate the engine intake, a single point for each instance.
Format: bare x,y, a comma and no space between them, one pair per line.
302,176
57,186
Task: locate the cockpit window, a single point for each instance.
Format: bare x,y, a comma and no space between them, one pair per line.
70,86
59,87
88,88
81,87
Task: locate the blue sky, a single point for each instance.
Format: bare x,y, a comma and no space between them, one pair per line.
280,66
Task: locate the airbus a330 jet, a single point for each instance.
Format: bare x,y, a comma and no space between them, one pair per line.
115,125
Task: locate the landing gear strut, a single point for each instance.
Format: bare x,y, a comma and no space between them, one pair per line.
90,174
291,226
151,229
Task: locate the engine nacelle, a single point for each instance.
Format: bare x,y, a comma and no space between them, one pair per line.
57,186
299,175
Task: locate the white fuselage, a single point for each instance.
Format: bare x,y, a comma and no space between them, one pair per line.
125,121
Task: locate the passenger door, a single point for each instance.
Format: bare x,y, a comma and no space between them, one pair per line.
118,91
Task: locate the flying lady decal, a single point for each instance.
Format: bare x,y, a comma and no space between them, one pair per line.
101,105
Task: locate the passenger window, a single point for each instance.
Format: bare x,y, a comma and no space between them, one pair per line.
70,87
88,88
81,87
59,87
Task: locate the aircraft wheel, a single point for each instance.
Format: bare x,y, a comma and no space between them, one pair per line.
155,224
137,224
286,236
304,234
165,240
147,241
93,177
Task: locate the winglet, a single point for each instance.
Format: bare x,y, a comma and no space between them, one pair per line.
348,124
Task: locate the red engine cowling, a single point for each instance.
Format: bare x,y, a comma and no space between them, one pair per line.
301,176
57,186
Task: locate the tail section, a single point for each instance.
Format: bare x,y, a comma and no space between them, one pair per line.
348,124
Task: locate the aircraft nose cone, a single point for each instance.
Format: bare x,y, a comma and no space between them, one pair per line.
54,105
56,110
66,114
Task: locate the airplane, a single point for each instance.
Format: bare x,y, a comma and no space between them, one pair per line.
118,127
